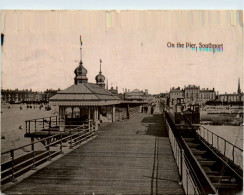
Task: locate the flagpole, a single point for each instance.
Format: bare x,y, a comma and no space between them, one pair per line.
80,49
80,54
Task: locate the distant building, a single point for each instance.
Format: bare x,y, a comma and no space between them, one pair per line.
49,93
207,95
192,93
176,93
17,96
113,91
136,95
232,97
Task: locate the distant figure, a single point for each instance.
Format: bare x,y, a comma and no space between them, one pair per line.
9,107
20,107
140,109
146,109
152,110
20,127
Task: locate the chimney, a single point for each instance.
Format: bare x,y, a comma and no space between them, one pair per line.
117,88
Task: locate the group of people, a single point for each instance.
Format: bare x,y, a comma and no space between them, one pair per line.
146,109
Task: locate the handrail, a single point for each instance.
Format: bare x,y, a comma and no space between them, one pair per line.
12,168
42,118
210,139
44,139
181,161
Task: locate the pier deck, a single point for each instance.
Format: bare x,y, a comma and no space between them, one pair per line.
129,157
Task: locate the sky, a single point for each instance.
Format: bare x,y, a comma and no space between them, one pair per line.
42,48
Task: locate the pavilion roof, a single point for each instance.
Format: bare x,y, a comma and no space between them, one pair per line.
85,94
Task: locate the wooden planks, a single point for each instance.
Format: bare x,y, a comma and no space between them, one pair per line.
119,160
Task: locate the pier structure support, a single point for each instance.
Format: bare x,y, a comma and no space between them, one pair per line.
127,111
113,113
62,118
95,117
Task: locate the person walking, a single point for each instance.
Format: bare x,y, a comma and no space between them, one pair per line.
152,110
146,109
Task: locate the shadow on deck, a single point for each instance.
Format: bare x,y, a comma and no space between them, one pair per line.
156,125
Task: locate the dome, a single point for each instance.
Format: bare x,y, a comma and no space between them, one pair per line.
80,74
100,78
80,70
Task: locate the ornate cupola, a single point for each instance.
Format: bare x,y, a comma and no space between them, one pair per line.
80,74
100,79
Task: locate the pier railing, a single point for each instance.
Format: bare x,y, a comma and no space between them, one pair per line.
41,124
229,150
187,181
17,165
52,123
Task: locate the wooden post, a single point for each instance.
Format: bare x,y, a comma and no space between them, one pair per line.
50,122
33,153
113,113
12,166
70,146
61,143
181,162
48,149
89,113
128,113
72,112
35,124
26,127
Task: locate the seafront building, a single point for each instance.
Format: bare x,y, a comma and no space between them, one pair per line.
232,97
26,95
192,93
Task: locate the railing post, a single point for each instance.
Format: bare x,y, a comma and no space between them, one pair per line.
50,122
89,125
29,126
35,124
195,190
186,182
43,123
217,142
233,153
33,156
48,149
70,146
26,127
12,166
56,120
181,162
207,136
61,143
224,146
212,139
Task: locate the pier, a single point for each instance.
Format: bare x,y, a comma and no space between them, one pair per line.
129,157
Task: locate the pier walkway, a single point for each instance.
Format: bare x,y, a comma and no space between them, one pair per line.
129,157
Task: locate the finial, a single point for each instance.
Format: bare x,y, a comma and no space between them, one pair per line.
100,65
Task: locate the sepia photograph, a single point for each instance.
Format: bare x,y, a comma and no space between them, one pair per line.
122,101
